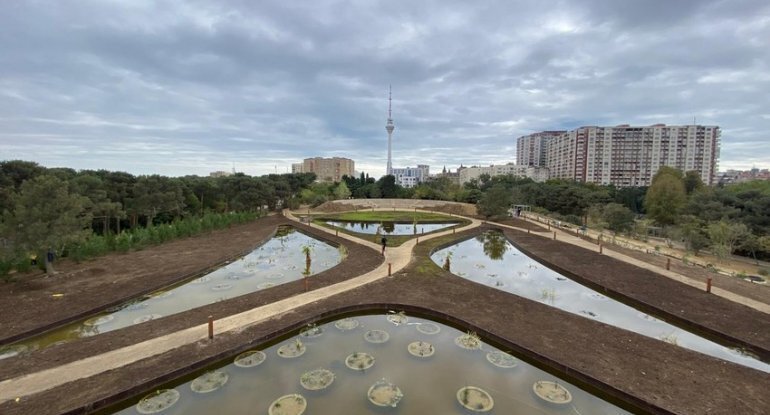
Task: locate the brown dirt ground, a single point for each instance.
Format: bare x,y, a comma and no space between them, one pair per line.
650,376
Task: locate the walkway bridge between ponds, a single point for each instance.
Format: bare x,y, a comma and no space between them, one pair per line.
396,258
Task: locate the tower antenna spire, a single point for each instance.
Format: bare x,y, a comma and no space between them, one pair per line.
390,95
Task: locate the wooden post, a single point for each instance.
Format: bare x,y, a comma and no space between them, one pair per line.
306,284
527,231
601,249
668,264
211,327
418,241
554,236
336,232
389,264
549,226
599,240
453,230
708,285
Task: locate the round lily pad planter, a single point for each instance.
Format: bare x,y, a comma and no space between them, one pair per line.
209,381
221,287
468,342
502,359
359,361
157,401
421,349
428,328
292,350
265,285
202,280
317,379
552,392
347,324
312,331
147,318
475,399
250,359
293,404
398,319
99,320
384,393
376,336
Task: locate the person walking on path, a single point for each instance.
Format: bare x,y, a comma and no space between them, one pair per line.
384,241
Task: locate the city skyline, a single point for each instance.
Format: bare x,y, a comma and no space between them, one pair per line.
179,88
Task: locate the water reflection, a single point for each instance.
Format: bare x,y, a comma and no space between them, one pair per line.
390,228
483,261
282,259
341,372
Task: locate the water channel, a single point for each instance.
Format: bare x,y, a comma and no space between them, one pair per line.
373,364
278,261
490,259
390,228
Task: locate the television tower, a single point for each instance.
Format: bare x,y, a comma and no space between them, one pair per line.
389,128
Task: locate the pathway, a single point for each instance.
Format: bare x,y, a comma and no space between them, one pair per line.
37,382
564,236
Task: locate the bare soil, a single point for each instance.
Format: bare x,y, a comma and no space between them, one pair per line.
642,374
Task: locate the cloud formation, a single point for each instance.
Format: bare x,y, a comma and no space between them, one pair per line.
187,87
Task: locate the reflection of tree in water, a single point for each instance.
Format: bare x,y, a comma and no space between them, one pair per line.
284,231
494,243
388,227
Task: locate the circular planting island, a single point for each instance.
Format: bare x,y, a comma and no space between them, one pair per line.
292,350
347,324
312,331
501,359
428,328
384,393
475,399
421,349
317,379
293,404
468,341
209,381
398,318
359,361
250,359
376,336
157,401
552,392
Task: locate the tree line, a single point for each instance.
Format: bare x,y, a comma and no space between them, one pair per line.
47,212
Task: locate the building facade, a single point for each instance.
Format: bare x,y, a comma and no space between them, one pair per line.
630,156
411,176
531,149
326,169
536,173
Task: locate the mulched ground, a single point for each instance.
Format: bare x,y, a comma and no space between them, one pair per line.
648,375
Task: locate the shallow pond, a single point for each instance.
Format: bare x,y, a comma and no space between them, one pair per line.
278,261
342,371
390,228
491,260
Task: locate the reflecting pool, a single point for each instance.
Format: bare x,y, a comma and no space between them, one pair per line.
490,259
282,259
390,228
408,366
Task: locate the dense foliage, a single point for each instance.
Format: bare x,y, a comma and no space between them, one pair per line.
86,213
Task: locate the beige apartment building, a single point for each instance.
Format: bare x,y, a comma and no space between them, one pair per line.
630,156
531,149
536,173
326,169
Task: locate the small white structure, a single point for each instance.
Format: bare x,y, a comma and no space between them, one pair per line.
411,176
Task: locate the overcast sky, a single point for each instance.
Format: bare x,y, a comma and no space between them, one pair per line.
189,87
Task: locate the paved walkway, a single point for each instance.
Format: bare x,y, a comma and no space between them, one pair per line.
32,383
574,240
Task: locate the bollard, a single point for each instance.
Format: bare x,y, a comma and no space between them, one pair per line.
306,284
336,232
601,248
708,285
599,240
549,226
211,327
389,264
668,264
527,231
453,230
554,236
418,241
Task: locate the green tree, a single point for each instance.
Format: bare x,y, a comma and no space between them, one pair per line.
692,182
666,196
618,217
388,187
341,191
495,202
725,237
47,218
692,231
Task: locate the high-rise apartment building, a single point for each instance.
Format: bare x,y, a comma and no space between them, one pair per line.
531,149
630,156
326,169
411,176
536,173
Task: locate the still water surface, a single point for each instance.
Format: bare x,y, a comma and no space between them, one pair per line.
491,260
390,228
